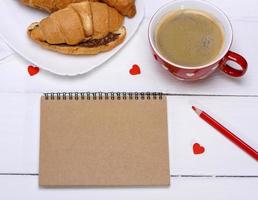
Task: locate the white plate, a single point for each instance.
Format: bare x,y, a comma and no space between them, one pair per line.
15,18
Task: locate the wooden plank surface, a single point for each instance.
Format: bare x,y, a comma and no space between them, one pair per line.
15,78
19,119
26,187
19,133
244,16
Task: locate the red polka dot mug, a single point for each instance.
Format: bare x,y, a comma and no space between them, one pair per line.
199,72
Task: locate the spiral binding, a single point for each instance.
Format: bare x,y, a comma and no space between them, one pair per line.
103,96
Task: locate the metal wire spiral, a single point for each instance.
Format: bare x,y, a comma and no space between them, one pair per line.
103,96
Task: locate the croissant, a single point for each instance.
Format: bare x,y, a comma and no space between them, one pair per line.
125,7
81,28
51,5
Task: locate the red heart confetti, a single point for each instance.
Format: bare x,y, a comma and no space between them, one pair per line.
135,70
33,70
198,149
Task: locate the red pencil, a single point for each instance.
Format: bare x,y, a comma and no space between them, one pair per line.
219,127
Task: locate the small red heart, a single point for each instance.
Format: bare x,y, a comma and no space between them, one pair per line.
33,70
135,70
198,149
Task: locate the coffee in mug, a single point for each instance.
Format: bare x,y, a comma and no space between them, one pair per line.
189,37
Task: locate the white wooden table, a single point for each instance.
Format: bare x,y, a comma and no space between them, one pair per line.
222,172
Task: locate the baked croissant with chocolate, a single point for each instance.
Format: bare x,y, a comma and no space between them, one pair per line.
125,7
80,29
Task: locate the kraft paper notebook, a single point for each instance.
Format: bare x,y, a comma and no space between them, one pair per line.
104,140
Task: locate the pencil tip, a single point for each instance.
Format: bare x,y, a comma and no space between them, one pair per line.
194,108
197,110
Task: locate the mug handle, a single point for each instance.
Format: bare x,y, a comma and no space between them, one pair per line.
232,56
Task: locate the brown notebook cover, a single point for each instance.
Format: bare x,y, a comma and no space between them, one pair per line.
104,142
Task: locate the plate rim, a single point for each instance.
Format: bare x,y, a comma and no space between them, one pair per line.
92,68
